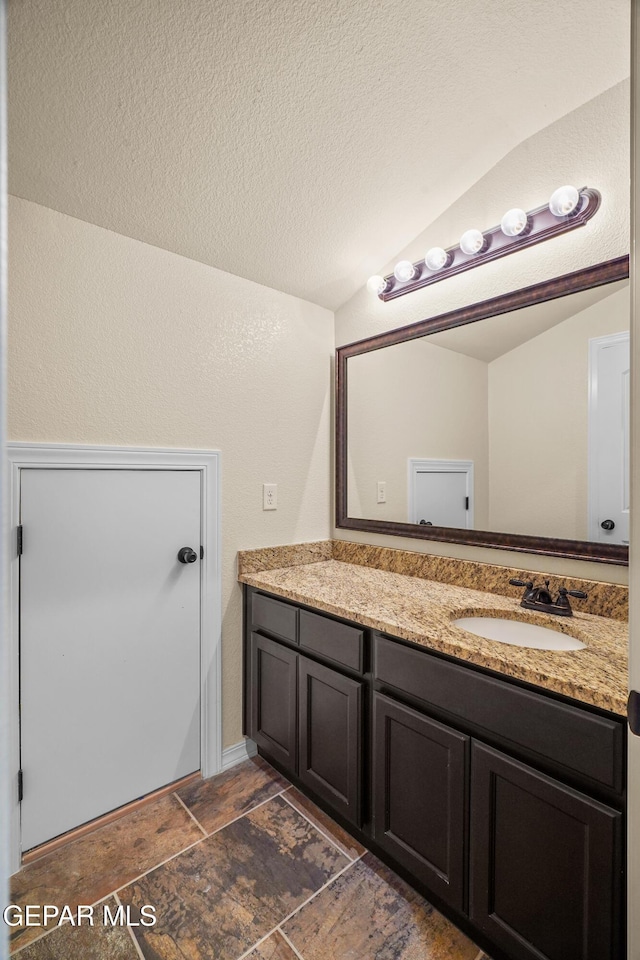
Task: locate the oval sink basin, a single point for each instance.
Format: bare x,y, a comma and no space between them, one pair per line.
518,633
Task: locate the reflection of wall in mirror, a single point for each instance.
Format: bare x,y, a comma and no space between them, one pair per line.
413,400
538,425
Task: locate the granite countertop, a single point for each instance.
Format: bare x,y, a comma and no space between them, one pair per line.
422,610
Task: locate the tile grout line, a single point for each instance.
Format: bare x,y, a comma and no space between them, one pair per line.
255,945
114,893
186,809
29,943
293,946
246,813
156,867
47,932
131,933
323,887
293,912
327,836
190,847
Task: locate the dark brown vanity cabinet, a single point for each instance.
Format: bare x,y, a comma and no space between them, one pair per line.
503,802
544,858
307,715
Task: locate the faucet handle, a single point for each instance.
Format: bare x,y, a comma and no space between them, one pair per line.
521,583
564,594
579,594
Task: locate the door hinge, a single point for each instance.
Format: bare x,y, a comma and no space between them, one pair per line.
20,786
202,553
466,503
19,539
633,712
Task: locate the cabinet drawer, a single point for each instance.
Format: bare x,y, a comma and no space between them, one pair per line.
329,638
567,737
275,616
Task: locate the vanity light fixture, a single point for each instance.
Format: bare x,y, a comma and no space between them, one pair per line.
404,271
514,222
471,242
377,285
567,209
564,201
436,258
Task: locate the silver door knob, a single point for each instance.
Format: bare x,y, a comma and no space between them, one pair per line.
187,555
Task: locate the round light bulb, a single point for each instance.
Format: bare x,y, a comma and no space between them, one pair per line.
471,242
404,271
376,285
564,201
513,222
436,258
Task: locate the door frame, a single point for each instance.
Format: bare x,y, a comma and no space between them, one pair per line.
80,457
596,345
421,465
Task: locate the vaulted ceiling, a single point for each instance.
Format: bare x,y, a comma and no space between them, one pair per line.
297,143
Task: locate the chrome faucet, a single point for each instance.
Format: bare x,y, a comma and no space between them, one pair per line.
539,598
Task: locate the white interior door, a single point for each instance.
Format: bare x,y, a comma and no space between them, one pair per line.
109,640
441,492
609,407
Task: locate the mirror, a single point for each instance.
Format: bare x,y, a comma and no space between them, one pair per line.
503,424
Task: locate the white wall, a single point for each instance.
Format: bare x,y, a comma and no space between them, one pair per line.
588,147
414,400
112,341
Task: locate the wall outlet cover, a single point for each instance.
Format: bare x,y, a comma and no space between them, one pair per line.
269,496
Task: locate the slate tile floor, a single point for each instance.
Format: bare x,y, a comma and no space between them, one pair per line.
241,867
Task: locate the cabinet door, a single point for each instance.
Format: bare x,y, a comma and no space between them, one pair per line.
419,782
273,699
330,760
546,871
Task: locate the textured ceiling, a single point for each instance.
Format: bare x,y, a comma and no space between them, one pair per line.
298,143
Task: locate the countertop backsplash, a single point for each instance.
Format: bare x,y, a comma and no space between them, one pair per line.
603,599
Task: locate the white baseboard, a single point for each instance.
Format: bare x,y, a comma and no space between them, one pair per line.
237,753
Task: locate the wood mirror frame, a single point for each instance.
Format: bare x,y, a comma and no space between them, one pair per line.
602,273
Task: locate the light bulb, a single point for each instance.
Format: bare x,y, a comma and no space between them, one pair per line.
564,201
436,258
404,271
514,222
377,285
471,242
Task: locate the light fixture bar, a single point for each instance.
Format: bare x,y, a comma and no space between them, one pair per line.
542,224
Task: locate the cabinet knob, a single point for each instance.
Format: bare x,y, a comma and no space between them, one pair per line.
607,524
